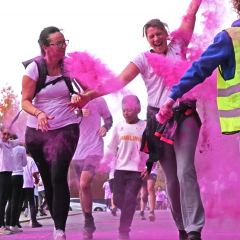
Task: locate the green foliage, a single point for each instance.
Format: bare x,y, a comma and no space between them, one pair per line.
9,107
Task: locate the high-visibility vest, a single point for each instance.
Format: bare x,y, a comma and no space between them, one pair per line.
228,96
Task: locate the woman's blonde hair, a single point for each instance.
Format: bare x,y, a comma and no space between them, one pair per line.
154,23
236,6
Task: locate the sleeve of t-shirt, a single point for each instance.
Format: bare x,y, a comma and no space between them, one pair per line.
114,142
104,185
104,111
32,71
139,61
105,114
34,167
24,158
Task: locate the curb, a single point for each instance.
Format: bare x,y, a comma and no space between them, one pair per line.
48,217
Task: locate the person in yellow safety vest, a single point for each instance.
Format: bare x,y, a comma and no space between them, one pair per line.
223,54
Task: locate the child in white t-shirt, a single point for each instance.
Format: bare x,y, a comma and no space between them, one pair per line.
108,194
126,143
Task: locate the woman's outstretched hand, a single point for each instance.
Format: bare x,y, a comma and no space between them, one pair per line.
43,121
165,111
79,101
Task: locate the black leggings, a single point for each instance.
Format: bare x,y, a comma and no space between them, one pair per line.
29,193
52,152
5,182
13,200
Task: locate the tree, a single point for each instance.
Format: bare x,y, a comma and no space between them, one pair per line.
9,108
160,179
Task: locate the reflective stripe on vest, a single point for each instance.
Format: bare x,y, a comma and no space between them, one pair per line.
228,96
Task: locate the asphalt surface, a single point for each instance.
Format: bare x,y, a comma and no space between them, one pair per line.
162,229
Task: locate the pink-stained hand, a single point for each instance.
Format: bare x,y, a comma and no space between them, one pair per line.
165,111
36,181
144,175
43,121
79,101
102,131
86,112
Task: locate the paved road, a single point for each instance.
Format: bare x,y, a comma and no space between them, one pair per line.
162,229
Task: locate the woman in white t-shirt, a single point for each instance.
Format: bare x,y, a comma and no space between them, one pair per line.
7,166
52,132
177,165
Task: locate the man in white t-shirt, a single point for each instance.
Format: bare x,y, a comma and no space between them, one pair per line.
41,195
88,155
125,143
161,197
108,194
30,171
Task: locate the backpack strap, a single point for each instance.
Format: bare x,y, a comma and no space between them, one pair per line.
42,72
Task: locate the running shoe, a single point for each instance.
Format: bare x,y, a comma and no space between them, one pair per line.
19,225
7,227
15,229
123,236
183,235
142,215
152,217
42,213
34,224
89,228
114,212
60,236
4,231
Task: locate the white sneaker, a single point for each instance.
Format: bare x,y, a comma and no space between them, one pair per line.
29,224
15,229
7,227
4,231
60,235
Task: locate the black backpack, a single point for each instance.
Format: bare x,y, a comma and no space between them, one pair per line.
42,71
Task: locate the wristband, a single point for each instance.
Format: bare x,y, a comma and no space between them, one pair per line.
40,113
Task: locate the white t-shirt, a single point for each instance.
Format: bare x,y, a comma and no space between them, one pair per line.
90,143
20,158
154,170
157,91
30,168
41,188
128,138
7,162
53,100
108,193
35,189
161,196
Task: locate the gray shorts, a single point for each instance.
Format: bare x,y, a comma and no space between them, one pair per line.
90,164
